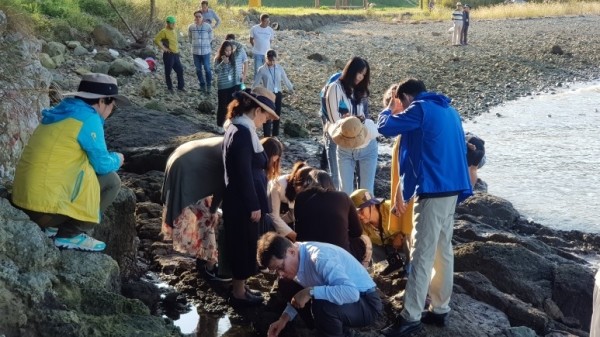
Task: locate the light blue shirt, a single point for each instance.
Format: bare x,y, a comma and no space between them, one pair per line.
335,275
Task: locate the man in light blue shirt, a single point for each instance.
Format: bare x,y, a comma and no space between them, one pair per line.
335,284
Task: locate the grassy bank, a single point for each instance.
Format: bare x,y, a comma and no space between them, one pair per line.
48,17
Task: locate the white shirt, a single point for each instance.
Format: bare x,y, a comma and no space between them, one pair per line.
262,39
276,192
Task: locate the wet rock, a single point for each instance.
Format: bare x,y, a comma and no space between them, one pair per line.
557,50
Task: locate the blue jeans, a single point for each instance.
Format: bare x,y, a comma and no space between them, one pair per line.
331,149
199,62
259,60
367,162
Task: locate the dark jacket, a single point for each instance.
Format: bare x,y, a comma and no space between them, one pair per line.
326,216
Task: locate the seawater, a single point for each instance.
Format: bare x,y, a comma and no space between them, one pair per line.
543,155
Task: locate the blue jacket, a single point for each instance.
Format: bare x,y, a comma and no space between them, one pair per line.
433,151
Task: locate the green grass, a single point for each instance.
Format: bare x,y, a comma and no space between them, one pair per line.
324,3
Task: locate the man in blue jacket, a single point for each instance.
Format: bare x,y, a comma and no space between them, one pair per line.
434,171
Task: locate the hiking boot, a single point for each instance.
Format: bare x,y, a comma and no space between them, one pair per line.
213,274
434,319
50,232
81,242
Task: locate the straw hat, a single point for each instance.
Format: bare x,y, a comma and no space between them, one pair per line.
263,97
350,133
94,85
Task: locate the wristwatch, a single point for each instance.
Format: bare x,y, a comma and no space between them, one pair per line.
311,292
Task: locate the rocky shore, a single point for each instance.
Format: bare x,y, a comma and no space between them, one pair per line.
512,277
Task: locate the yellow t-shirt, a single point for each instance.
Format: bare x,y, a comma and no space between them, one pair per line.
171,36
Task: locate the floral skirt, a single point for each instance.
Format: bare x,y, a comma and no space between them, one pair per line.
192,232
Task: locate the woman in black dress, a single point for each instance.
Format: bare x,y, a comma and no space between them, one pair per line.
245,201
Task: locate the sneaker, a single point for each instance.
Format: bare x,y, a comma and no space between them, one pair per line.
51,232
81,242
213,275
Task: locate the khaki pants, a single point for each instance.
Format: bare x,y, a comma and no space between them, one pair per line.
457,32
431,249
110,184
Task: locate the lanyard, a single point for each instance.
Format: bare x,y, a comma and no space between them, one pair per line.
273,75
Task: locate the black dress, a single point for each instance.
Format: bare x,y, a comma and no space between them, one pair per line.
246,191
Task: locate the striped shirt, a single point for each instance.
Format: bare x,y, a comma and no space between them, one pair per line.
271,77
200,37
227,76
457,16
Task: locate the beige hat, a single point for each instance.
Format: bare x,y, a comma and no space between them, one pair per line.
263,97
458,4
95,85
350,133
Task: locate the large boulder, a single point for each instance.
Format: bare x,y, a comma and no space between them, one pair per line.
107,35
490,209
121,67
23,94
46,292
117,230
54,48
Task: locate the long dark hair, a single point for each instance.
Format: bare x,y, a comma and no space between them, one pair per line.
290,192
301,179
352,68
273,147
221,51
240,105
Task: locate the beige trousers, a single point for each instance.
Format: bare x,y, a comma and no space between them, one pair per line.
432,257
456,33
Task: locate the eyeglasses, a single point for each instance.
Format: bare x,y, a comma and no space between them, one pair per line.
198,16
280,267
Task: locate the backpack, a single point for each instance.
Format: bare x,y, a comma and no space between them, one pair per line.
331,79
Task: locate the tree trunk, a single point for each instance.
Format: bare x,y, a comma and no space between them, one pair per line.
152,10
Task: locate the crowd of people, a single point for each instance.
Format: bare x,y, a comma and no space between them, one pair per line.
320,231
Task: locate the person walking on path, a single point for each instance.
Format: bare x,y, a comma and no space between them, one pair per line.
336,288
457,20
434,169
209,15
261,37
200,36
465,27
166,40
270,75
66,178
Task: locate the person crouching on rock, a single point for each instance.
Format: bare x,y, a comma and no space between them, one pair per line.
270,75
191,194
386,235
66,177
336,288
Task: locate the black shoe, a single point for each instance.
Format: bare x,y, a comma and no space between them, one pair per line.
170,91
434,319
402,328
182,90
253,292
248,300
213,274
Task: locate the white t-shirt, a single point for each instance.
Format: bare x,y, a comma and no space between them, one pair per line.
262,39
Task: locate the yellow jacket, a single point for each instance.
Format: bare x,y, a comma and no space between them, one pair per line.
405,222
